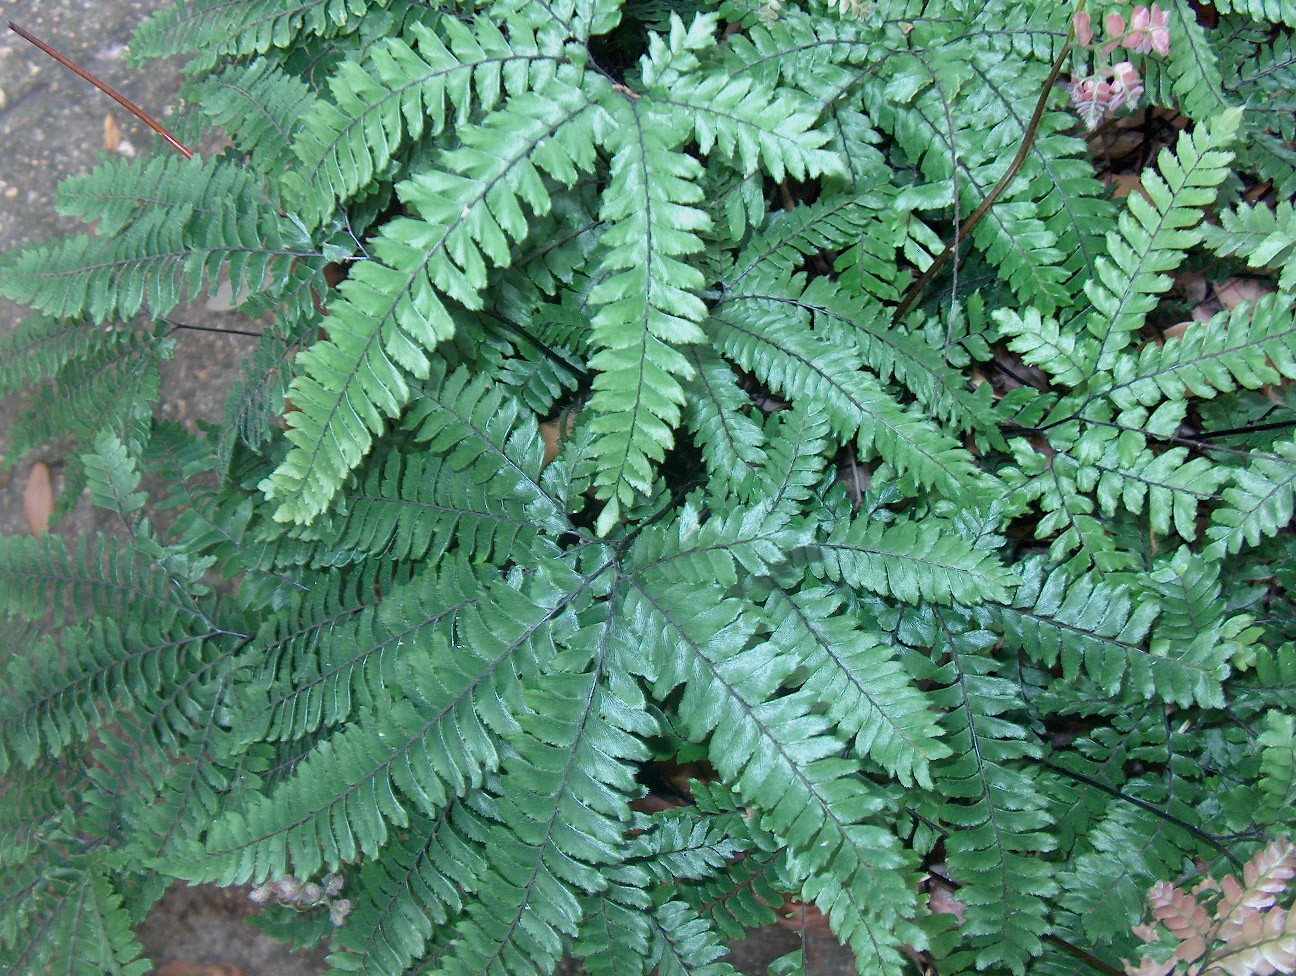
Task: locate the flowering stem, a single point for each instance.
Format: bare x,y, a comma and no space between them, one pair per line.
107,89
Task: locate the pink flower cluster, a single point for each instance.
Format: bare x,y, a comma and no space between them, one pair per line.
1107,91
1100,95
1148,30
305,894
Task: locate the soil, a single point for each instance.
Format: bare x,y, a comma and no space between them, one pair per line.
53,125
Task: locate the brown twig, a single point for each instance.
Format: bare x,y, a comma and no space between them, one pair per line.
915,290
108,90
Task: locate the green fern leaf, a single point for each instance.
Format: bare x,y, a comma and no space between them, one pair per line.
240,27
202,219
1264,236
647,301
405,90
998,817
859,683
795,362
1283,11
1080,624
1247,346
910,562
113,476
684,945
388,320
1278,769
260,106
1258,503
1155,231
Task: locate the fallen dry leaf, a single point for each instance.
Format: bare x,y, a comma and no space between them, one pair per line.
200,969
111,133
38,498
1232,291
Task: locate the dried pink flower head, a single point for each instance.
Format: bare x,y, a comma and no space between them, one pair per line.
260,894
339,910
1127,86
1099,95
310,894
332,883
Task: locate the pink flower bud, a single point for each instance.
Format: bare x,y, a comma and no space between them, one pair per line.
310,894
332,883
260,894
339,910
1115,24
288,889
1083,24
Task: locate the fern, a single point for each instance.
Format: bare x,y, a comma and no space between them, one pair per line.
769,388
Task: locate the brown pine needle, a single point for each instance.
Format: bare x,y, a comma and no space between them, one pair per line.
107,89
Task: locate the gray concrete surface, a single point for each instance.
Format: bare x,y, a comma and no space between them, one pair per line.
51,126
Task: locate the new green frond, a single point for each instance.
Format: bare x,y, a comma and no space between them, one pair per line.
1156,231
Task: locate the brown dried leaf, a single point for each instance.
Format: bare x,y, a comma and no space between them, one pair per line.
1233,291
1181,913
38,498
1264,943
111,133
1264,878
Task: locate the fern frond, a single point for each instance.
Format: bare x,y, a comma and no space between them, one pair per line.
1277,786
113,387
113,476
795,458
404,90
1155,231
218,27
577,768
684,945
391,312
777,753
413,754
260,106
647,298
859,682
998,817
62,705
1283,11
717,412
403,898
167,227
1264,236
1258,503
1247,346
748,121
82,926
41,346
795,362
909,561
1193,66
101,577
1088,625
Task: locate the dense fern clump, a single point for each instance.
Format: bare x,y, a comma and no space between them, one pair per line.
774,387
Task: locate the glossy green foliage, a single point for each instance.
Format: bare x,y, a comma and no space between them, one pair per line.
596,427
